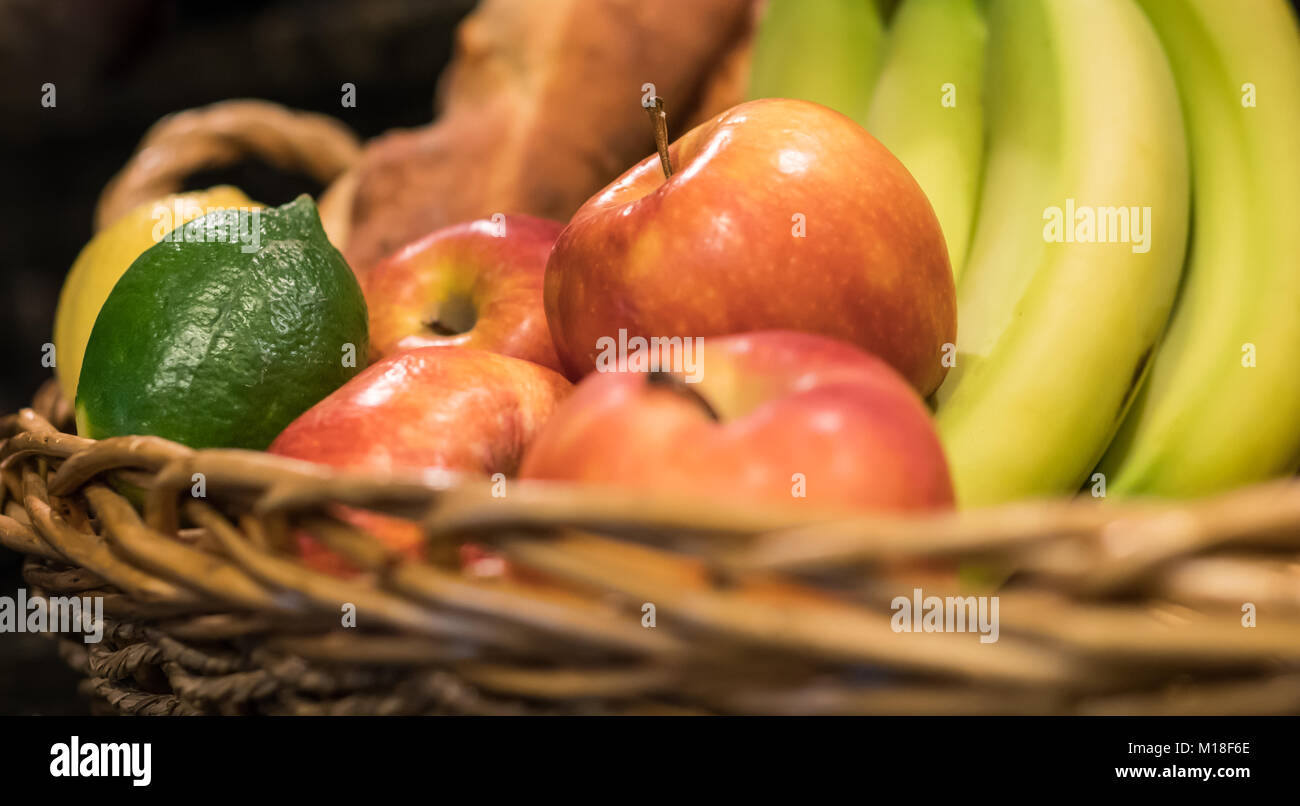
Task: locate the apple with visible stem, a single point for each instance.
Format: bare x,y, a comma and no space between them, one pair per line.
476,284
432,408
776,214
778,416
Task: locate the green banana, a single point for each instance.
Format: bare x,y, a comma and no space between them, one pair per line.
1206,420
927,108
1055,332
826,51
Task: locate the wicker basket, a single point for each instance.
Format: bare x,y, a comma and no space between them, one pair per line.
629,604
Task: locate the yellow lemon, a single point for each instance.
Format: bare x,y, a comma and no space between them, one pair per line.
106,258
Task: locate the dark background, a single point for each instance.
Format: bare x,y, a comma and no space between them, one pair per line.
118,66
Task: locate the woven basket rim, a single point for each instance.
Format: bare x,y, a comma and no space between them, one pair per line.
767,609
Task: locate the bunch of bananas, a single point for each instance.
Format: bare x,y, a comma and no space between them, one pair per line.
1119,185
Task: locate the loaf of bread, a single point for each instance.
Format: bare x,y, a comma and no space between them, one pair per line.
540,108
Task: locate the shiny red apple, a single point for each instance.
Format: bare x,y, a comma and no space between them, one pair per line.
476,284
781,214
433,408
776,416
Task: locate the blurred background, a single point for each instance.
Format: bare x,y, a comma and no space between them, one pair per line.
118,66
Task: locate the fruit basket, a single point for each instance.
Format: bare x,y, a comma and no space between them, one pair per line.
1109,609
559,594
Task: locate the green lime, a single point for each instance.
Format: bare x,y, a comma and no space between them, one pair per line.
225,332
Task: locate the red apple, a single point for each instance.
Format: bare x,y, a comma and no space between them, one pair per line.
789,406
433,408
781,214
476,284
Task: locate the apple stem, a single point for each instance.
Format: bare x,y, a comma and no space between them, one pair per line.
659,119
674,383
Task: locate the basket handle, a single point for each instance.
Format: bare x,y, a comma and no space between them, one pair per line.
223,134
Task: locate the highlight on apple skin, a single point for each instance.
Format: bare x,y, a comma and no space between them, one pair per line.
475,284
428,409
780,214
776,417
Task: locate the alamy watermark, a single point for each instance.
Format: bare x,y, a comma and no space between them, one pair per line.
1083,224
77,759
186,222
62,614
678,354
923,613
